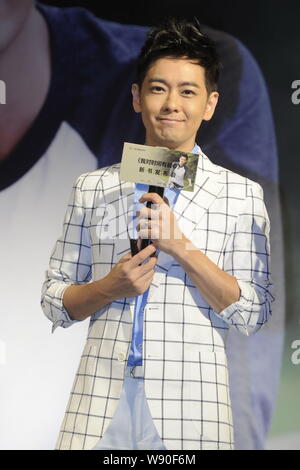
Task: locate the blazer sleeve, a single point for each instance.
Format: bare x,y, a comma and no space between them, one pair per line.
247,258
70,262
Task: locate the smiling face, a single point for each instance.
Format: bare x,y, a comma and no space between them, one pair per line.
182,160
173,101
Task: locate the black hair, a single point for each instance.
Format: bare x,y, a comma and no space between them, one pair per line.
178,38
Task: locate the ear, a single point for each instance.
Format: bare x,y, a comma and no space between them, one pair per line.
211,104
136,99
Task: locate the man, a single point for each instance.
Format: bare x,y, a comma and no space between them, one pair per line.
178,173
214,275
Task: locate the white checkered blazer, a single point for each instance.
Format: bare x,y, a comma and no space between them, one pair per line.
185,367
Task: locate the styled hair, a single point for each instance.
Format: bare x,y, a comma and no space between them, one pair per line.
178,38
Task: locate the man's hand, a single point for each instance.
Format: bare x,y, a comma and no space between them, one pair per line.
217,287
159,224
129,277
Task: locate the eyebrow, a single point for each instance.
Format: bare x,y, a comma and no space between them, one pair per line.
161,80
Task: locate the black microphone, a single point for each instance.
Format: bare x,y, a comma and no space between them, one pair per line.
141,243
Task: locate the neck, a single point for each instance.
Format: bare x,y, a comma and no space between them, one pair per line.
25,69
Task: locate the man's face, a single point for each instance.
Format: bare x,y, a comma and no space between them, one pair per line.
173,101
182,161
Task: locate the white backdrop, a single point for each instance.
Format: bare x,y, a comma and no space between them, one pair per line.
37,368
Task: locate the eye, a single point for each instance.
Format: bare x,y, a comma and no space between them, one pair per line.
188,92
157,89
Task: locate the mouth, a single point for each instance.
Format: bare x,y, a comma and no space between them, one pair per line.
170,120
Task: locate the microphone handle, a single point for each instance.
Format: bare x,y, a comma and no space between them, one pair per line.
144,242
156,189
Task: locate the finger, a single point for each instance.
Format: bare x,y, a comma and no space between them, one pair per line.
152,197
149,229
143,225
146,224
142,255
147,277
153,213
125,258
149,234
147,266
146,234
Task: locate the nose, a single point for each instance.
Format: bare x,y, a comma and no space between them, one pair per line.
171,103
